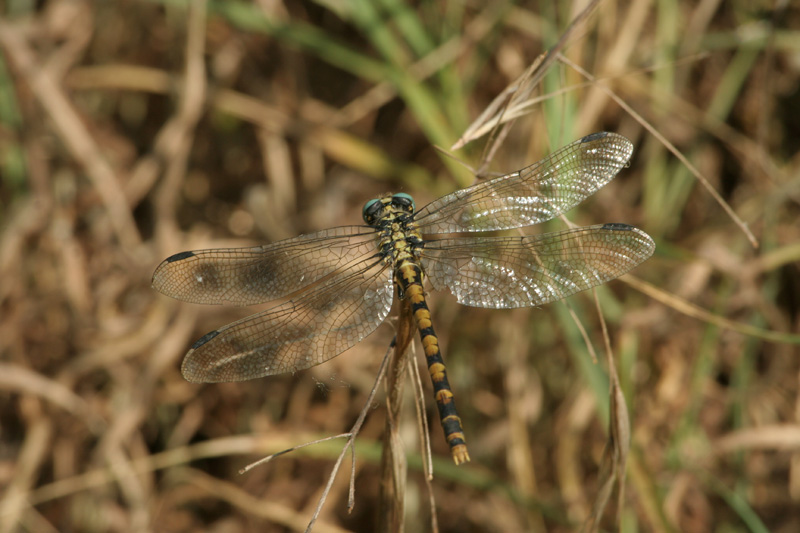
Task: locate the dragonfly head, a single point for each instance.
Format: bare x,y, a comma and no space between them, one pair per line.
374,209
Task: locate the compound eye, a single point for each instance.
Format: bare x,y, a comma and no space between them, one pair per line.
371,208
404,200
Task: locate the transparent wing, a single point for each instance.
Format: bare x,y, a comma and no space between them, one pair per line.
534,194
505,272
247,276
316,326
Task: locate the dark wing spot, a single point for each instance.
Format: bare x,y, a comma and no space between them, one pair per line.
256,279
179,257
594,137
207,275
204,339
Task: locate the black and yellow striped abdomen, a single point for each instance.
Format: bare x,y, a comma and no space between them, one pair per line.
400,244
409,277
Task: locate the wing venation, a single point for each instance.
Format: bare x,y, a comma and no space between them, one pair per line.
507,272
247,276
534,194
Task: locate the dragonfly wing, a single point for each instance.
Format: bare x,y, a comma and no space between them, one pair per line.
247,276
319,324
534,194
505,272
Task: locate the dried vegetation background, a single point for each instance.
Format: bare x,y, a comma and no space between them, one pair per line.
132,130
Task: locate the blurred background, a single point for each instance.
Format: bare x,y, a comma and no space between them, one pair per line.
133,130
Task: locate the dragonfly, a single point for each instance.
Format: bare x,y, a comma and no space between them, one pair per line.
336,286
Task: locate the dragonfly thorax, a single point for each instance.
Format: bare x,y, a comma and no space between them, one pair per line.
398,238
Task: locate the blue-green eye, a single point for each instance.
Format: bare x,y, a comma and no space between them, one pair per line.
405,200
370,209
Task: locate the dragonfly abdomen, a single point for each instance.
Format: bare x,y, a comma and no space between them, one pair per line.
410,280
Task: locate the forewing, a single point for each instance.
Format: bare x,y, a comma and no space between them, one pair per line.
247,276
534,194
317,325
505,272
